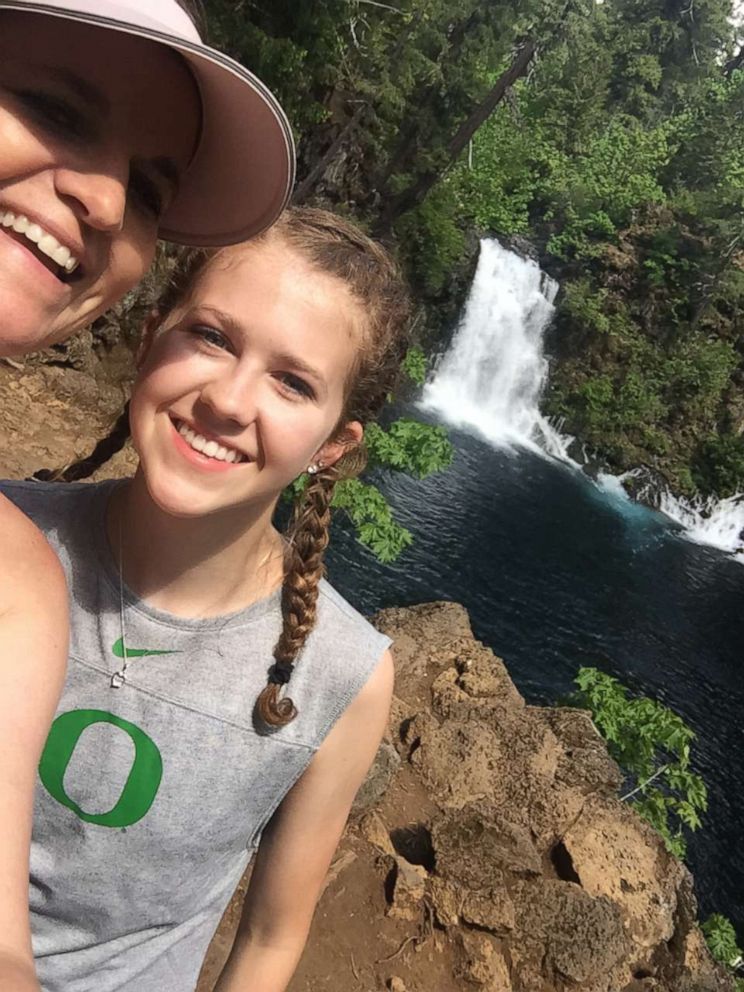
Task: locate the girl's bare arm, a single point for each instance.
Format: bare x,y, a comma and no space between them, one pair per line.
296,850
33,656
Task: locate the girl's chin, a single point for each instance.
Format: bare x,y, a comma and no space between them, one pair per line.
188,502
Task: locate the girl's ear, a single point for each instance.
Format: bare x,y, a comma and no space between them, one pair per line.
350,436
149,329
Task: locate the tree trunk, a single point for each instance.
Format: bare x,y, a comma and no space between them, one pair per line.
307,185
414,194
409,134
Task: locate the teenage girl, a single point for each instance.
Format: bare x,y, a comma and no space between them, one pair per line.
223,703
117,125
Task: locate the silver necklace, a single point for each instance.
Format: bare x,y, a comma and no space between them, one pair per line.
119,678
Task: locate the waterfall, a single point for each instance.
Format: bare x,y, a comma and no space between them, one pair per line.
491,378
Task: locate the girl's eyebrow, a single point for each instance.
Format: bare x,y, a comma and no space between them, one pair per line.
230,323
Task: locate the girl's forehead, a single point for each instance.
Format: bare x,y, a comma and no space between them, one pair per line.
271,274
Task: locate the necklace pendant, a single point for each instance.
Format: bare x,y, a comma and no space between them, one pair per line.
117,680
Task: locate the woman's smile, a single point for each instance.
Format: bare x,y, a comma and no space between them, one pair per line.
93,137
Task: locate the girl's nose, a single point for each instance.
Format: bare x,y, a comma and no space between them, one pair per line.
232,396
100,194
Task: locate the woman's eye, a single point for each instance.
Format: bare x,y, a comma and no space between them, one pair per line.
52,111
295,386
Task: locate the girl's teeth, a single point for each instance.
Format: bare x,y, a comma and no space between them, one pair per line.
209,448
46,242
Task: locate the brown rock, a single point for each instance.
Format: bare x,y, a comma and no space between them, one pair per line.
458,762
483,963
378,780
474,846
617,854
579,938
373,829
493,910
409,891
447,900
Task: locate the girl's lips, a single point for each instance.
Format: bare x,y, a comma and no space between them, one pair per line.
18,257
197,459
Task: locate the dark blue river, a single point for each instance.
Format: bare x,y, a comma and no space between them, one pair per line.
557,573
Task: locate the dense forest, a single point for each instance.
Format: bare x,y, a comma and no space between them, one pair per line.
608,135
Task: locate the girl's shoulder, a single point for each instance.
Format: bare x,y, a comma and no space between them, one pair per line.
339,618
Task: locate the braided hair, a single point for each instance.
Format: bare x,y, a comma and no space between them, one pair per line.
335,247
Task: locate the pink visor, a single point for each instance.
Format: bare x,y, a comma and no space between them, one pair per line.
241,176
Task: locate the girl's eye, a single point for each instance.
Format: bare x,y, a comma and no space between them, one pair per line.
212,337
294,386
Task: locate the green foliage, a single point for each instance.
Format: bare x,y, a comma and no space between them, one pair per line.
652,746
370,513
432,240
718,464
720,936
415,365
409,446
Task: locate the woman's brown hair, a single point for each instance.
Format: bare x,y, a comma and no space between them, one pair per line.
335,247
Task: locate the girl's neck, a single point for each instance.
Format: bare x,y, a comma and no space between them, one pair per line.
193,567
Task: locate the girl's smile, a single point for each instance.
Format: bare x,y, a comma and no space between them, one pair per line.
244,385
203,450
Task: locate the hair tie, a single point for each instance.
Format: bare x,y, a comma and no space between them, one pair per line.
280,674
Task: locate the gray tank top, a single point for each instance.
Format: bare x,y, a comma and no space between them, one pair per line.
152,797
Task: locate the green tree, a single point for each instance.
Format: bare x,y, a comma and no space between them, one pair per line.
652,746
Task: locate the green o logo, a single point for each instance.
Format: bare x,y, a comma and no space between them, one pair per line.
142,783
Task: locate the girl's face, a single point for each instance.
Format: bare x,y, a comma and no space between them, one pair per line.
95,128
242,387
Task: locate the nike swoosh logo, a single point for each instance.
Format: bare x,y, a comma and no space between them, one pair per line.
118,650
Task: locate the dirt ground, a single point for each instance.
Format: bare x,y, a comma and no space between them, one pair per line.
50,415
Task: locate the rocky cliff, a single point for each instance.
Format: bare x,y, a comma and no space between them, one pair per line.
489,850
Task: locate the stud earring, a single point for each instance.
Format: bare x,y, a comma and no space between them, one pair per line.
315,468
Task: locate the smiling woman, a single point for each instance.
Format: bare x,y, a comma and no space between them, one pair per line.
118,126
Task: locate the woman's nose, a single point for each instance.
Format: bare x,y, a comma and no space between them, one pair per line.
100,193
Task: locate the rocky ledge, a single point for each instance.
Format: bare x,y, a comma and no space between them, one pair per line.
488,850
537,874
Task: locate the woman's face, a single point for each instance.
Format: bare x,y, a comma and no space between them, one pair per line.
95,129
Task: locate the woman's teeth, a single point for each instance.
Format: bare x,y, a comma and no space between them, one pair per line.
45,242
209,448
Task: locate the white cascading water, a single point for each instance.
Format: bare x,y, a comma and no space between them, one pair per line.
491,379
719,523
